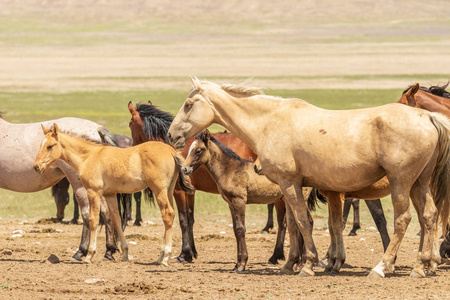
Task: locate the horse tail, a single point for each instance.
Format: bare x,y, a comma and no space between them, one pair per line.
183,179
149,197
440,184
314,198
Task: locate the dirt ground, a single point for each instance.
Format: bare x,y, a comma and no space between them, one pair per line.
27,274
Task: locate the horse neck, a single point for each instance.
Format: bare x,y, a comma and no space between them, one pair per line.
218,162
233,114
75,151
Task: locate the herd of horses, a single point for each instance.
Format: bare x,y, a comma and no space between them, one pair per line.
277,151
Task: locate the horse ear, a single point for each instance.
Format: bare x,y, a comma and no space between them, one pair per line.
196,83
149,102
55,130
131,108
45,130
206,136
414,89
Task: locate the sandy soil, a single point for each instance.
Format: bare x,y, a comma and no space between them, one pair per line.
26,273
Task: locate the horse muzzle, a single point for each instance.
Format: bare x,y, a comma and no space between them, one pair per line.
39,168
177,142
187,170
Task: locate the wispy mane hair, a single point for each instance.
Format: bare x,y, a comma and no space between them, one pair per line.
242,90
156,122
84,137
228,152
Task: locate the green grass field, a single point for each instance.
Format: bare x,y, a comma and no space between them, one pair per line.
110,109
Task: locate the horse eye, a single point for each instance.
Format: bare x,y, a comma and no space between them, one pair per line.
198,151
50,147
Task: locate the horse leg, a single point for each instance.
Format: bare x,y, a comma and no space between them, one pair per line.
237,209
62,198
138,219
111,245
111,202
347,206
186,250
444,249
428,215
94,210
376,210
293,194
128,207
402,217
269,224
356,219
191,221
337,253
278,252
294,238
165,203
76,210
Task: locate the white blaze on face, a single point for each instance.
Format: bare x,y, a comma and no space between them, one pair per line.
43,142
193,145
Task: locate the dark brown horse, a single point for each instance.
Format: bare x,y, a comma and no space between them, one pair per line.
237,182
148,123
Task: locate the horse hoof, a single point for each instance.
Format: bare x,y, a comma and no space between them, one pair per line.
306,273
77,256
374,274
334,272
265,231
323,263
352,234
286,271
417,274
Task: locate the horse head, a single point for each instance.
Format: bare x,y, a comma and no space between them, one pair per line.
136,126
198,154
50,149
195,114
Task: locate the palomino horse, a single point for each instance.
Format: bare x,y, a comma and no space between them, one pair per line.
434,99
148,123
293,140
237,183
20,145
106,171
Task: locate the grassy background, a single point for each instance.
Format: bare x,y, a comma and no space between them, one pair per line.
110,109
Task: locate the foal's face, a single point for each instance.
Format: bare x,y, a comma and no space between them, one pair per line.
195,115
50,150
198,155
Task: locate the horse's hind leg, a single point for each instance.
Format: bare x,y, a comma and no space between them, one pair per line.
356,218
165,203
402,217
186,251
427,213
137,199
111,201
94,210
278,252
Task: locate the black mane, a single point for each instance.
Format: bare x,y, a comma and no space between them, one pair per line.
156,121
228,152
437,90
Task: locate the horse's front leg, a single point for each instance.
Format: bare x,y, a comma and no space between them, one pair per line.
111,246
294,238
293,194
94,210
137,199
269,224
187,253
336,224
237,209
113,207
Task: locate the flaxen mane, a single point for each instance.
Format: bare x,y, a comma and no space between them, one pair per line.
244,91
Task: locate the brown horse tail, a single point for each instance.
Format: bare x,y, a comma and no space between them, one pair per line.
183,179
440,179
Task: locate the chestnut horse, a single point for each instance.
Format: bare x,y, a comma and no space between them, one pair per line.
293,140
106,171
150,123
